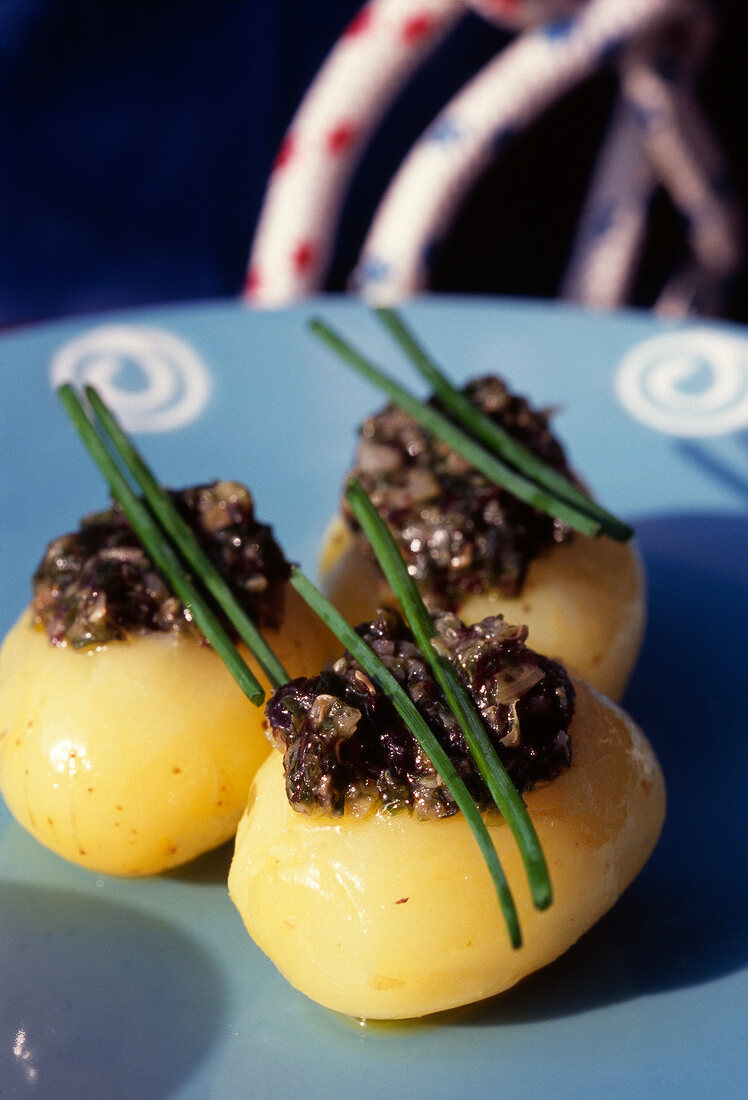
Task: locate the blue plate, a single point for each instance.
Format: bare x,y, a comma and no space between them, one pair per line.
151,987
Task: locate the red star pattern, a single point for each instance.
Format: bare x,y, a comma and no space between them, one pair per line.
285,152
417,27
304,255
252,281
340,137
358,24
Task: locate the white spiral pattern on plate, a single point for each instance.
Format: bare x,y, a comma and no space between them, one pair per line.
688,383
171,383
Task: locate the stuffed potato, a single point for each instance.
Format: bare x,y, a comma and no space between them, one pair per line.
476,550
125,744
380,908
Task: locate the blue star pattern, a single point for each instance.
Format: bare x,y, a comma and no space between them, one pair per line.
502,138
646,118
372,269
560,29
445,131
610,50
430,252
603,219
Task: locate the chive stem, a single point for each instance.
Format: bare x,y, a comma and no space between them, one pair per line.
488,464
158,548
502,790
183,537
494,436
405,707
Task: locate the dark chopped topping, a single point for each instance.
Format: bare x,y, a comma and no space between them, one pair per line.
457,531
98,584
346,748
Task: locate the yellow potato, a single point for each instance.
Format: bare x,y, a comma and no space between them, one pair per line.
385,916
135,756
583,601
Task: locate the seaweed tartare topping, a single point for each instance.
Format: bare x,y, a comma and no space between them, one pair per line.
458,531
346,749
98,584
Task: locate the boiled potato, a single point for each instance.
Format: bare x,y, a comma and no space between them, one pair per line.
137,755
385,916
583,601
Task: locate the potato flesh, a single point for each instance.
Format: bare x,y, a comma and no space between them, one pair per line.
583,602
388,917
136,756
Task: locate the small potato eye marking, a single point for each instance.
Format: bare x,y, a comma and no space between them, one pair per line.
401,901
382,981
176,771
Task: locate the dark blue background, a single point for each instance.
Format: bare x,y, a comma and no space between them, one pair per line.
136,138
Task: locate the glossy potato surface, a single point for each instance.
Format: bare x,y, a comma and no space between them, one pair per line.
584,602
389,917
136,756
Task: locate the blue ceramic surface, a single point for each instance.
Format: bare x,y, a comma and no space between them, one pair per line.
151,988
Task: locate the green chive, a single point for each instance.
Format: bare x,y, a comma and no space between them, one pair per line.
412,718
183,538
503,791
158,549
434,422
496,438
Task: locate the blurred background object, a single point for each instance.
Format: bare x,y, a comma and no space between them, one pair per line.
658,139
137,140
